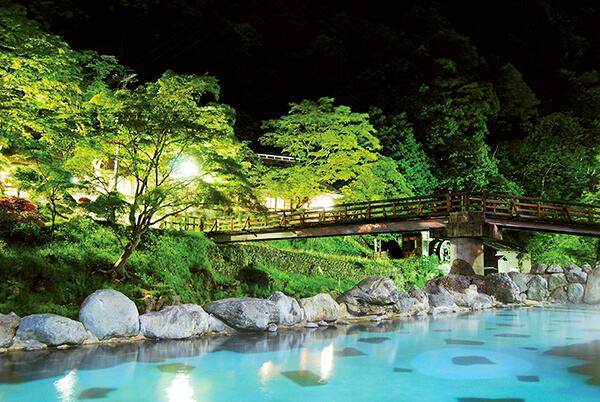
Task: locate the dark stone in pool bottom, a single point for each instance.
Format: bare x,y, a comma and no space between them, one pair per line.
175,368
528,378
490,399
95,393
512,335
529,348
304,378
471,360
374,340
582,351
402,370
348,352
462,342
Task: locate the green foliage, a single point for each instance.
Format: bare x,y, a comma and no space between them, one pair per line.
558,160
551,248
156,129
295,285
335,149
418,270
347,245
396,136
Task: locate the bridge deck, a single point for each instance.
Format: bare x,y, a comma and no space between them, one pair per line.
412,214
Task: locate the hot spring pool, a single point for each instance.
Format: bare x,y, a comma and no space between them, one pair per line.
533,354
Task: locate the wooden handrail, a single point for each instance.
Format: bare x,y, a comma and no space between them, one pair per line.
501,205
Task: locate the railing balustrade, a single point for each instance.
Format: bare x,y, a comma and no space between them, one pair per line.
498,205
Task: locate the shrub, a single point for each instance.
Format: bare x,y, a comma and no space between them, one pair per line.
18,211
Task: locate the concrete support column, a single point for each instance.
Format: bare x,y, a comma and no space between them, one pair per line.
468,249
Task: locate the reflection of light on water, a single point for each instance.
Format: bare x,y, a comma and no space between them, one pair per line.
303,358
66,386
326,363
180,389
265,372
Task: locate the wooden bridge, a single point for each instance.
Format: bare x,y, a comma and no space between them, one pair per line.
450,215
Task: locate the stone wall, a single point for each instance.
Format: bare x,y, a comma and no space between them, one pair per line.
228,260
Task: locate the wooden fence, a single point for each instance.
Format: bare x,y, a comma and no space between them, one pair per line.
497,205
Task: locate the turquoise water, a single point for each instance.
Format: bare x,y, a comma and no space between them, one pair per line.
496,355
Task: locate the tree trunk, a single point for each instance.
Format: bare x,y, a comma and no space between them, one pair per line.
598,251
128,250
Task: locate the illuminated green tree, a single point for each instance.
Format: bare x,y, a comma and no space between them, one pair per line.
335,150
154,134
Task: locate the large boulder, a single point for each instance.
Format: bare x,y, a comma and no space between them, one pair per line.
371,296
405,302
575,293
175,322
109,314
539,269
290,312
456,283
519,280
8,327
439,297
320,307
461,267
592,289
537,288
51,330
575,274
556,281
502,287
245,313
554,269
559,295
421,299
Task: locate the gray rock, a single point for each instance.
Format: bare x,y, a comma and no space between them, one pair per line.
29,344
461,267
323,324
438,297
244,313
556,281
554,269
587,268
51,330
502,288
422,301
575,293
486,301
519,280
538,289
175,322
320,307
559,295
575,274
311,325
473,298
405,302
460,299
8,327
290,312
592,289
373,295
539,269
272,327
109,314
216,325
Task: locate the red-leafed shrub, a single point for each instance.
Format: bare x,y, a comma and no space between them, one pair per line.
15,210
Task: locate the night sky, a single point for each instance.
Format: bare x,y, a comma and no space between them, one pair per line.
267,53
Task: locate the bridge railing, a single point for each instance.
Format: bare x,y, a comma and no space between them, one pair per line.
500,205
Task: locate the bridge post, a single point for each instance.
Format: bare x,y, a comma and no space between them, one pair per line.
467,230
469,249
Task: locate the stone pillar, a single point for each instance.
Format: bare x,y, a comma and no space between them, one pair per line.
469,249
